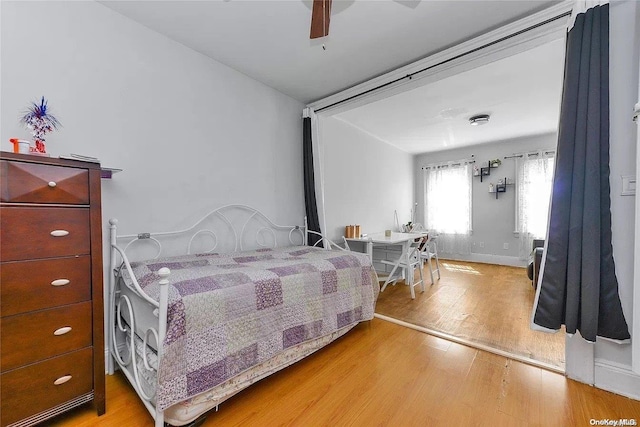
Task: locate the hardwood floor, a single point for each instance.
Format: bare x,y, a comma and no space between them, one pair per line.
481,303
388,375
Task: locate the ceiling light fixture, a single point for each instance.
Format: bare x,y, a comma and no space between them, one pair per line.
478,120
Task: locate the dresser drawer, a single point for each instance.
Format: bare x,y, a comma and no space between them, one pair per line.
35,285
32,389
31,337
27,232
34,183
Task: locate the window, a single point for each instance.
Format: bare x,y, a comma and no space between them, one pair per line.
535,178
448,206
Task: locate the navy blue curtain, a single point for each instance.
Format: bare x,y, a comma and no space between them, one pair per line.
579,287
309,183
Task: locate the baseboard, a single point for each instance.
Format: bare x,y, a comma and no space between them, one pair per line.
107,355
511,261
617,378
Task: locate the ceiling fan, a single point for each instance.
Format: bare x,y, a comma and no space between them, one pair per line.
320,16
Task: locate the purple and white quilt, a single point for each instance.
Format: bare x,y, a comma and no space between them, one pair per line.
230,312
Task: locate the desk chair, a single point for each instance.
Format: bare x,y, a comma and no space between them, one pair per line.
328,243
346,244
428,252
400,266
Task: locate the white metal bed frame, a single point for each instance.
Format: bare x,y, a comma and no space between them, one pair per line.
148,317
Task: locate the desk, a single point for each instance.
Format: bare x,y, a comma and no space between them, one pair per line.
400,239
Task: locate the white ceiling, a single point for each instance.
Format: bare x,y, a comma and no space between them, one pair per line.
521,93
268,40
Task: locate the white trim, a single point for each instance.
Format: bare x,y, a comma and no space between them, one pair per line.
511,261
487,48
518,164
617,378
635,327
579,355
472,344
318,171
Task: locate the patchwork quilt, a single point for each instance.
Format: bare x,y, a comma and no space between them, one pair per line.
230,312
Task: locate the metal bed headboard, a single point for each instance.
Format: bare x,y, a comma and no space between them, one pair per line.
231,228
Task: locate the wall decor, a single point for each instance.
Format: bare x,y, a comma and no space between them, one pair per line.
486,171
501,186
38,119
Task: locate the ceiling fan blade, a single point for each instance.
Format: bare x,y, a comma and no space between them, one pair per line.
320,16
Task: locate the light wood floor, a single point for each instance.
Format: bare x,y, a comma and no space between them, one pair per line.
482,303
388,375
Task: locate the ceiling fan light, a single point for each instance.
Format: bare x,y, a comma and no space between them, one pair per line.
478,120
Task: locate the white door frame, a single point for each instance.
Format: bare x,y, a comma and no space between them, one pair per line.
635,327
527,33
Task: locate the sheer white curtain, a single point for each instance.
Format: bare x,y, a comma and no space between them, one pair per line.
448,206
534,181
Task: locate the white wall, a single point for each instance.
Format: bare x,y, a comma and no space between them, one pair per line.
624,52
365,179
493,220
189,133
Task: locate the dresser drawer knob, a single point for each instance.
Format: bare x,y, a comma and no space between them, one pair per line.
62,380
52,184
60,282
62,331
59,233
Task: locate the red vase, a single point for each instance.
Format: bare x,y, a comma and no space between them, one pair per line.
40,148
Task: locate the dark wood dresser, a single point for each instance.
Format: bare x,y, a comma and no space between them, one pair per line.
51,297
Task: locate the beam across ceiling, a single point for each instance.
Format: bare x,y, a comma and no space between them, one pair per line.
526,33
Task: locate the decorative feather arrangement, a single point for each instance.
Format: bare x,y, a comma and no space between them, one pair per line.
38,119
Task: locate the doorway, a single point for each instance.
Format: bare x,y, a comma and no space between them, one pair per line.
493,253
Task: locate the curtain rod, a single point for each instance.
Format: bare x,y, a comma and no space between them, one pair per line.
447,164
537,153
410,75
